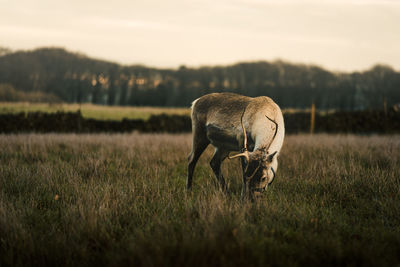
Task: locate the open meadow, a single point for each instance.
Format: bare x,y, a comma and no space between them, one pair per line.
73,200
103,112
91,111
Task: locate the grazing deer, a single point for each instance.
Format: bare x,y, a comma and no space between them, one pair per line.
232,122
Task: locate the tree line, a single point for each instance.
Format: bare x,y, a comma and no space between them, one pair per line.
60,75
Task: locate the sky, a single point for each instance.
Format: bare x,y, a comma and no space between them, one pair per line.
340,35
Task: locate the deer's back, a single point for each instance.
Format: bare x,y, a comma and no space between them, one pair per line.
227,107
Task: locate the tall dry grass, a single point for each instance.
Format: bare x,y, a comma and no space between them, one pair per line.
121,199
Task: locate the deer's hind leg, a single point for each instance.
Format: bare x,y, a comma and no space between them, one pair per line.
215,163
200,143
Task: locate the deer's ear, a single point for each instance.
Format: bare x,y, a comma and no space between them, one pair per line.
271,157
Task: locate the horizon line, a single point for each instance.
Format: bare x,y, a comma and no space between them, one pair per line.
199,66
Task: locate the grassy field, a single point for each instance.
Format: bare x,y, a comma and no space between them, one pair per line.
120,200
104,112
92,111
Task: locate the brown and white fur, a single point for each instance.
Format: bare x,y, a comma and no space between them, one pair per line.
232,122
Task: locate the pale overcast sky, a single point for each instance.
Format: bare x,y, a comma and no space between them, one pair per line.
335,34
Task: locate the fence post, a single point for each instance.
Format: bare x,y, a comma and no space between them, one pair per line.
79,120
312,124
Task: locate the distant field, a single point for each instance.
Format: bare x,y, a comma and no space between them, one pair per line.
118,200
93,111
104,112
